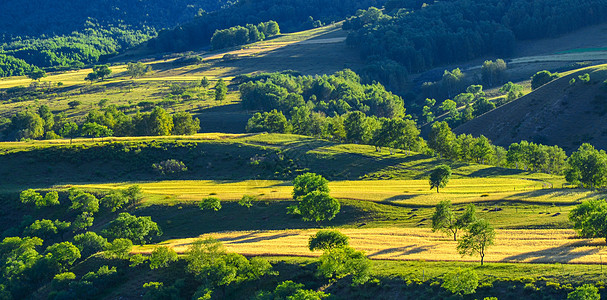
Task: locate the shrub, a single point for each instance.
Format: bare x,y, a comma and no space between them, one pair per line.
210,203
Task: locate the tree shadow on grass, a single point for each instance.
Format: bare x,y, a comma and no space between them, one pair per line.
563,254
402,251
257,238
400,198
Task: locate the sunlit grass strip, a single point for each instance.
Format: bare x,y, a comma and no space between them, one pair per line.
528,246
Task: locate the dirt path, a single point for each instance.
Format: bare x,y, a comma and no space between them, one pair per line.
531,246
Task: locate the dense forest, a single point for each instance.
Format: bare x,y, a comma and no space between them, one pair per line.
419,37
71,34
39,17
292,15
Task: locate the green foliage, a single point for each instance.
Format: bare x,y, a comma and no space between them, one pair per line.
221,89
247,201
440,177
210,203
587,166
445,220
590,218
27,125
137,229
137,259
11,66
273,121
542,77
480,235
184,124
493,72
119,248
209,262
318,206
137,69
30,196
161,257
536,157
90,243
342,261
161,122
116,199
83,221
585,78
239,35
327,239
289,290
461,281
36,74
46,228
336,94
307,183
584,292
75,103
61,255
157,290
62,280
83,202
170,167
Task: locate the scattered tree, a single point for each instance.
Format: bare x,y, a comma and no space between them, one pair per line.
461,281
170,167
210,203
36,74
307,183
342,261
137,229
161,257
542,77
440,177
137,69
90,243
480,235
318,206
590,218
445,220
119,248
327,239
221,89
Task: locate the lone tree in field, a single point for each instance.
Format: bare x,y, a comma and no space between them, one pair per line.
220,90
36,74
440,177
480,235
307,183
327,239
590,218
445,220
318,206
210,203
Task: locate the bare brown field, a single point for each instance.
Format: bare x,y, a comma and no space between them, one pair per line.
522,246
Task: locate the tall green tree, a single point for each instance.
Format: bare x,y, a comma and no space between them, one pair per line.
444,218
440,177
479,237
318,206
442,140
590,218
185,124
161,123
221,90
587,166
307,183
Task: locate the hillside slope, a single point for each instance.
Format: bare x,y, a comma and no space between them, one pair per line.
558,113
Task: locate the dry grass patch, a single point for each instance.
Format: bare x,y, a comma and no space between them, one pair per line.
529,246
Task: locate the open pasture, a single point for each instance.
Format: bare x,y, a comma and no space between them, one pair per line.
404,192
529,246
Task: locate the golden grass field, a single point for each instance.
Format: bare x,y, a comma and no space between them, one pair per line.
412,192
529,246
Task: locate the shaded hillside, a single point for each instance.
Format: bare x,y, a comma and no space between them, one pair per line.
559,113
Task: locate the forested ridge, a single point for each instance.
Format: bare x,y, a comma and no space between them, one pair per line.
419,38
292,15
71,34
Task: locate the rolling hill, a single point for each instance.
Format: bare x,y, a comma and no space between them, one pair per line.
565,112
